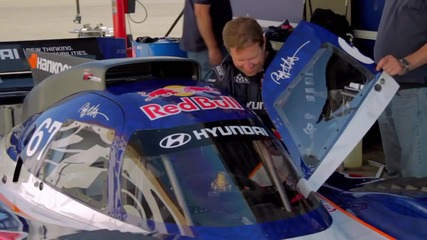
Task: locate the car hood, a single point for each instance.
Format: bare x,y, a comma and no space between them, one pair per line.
323,95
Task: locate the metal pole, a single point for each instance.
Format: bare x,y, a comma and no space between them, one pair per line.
174,23
78,18
119,21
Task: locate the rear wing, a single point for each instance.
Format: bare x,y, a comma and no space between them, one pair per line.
16,79
61,76
44,65
15,73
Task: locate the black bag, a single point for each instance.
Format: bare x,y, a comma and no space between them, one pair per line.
335,23
339,73
280,33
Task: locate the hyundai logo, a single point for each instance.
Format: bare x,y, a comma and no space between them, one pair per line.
175,140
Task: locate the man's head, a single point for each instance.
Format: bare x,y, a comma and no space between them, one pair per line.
245,42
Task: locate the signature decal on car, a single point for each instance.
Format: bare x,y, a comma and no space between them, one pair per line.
91,111
287,65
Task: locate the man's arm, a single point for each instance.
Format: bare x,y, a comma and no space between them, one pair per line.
222,78
417,58
204,23
217,76
392,66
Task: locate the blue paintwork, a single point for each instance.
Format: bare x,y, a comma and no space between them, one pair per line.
400,213
119,108
288,228
387,210
130,100
303,130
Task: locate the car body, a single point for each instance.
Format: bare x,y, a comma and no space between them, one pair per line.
139,148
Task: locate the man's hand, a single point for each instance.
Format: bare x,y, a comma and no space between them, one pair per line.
390,65
215,56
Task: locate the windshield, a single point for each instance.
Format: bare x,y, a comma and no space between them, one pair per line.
235,171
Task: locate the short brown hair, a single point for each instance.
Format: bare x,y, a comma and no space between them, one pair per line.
241,32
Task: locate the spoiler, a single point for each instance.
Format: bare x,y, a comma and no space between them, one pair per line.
56,76
44,65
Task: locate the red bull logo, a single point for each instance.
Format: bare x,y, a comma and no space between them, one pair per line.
190,104
179,91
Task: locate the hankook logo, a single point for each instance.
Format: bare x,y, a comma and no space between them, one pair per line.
175,140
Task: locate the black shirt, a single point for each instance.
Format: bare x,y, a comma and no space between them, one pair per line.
221,13
246,90
402,31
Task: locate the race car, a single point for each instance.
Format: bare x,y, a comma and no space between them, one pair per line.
140,148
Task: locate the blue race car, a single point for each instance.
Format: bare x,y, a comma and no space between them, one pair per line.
139,148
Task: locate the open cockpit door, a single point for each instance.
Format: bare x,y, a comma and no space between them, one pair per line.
323,95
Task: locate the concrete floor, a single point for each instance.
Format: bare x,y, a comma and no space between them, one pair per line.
372,155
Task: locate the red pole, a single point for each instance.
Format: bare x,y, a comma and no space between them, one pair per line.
119,22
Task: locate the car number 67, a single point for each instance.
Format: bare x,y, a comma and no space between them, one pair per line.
48,128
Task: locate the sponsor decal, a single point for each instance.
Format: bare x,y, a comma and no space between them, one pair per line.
161,92
179,91
175,140
310,90
255,105
286,65
87,75
9,54
328,206
239,78
46,65
180,139
310,130
189,104
12,58
309,116
220,71
91,111
60,50
42,136
206,133
358,206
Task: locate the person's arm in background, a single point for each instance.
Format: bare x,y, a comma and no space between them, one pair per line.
204,23
417,58
392,66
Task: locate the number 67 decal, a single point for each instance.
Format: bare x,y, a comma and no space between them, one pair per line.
47,129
